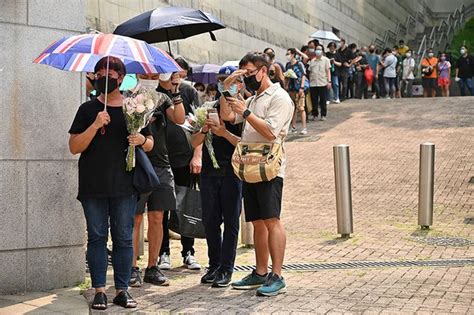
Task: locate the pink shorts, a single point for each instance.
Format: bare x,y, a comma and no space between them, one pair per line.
443,81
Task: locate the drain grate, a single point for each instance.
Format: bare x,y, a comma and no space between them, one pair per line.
369,264
443,241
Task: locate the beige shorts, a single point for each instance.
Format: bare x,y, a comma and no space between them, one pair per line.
298,100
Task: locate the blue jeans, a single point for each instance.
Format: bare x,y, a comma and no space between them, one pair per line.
120,211
470,86
335,86
221,199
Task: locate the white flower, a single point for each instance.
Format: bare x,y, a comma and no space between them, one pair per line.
150,104
140,108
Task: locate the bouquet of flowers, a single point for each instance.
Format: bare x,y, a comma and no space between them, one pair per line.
290,74
194,123
138,109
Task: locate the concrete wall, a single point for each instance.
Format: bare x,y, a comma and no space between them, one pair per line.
256,24
42,232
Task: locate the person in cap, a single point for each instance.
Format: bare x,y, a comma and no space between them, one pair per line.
221,190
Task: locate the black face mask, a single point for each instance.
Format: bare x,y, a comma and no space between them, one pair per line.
100,85
252,83
271,55
271,73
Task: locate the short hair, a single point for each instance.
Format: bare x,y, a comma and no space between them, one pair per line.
211,87
352,46
268,49
401,41
314,41
259,59
395,47
114,64
387,50
304,48
333,44
182,63
342,40
199,84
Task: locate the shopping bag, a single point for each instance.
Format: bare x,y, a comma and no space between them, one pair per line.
187,219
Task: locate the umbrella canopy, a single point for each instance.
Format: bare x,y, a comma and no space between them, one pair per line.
204,73
325,35
82,52
169,23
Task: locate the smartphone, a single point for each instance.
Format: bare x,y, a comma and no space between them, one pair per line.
226,94
214,116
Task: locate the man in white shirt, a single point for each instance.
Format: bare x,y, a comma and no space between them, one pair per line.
267,117
320,81
407,74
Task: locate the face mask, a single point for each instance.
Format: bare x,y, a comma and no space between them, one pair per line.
463,51
408,55
430,55
201,94
311,50
288,57
319,52
100,85
443,58
271,73
252,83
371,51
233,90
364,53
149,84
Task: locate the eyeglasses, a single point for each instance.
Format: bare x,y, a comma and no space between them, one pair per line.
251,72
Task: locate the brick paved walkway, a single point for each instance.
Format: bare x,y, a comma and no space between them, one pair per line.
384,138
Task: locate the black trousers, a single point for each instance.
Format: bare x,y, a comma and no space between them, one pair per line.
344,83
182,177
361,85
318,96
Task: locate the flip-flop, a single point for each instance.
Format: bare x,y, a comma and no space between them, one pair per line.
100,301
124,299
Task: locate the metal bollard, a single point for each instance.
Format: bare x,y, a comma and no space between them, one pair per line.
342,174
246,230
426,185
141,236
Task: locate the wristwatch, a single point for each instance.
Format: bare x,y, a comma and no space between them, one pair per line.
246,113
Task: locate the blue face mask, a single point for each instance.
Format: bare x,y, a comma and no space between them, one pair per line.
233,90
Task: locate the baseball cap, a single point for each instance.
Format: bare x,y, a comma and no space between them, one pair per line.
225,71
165,76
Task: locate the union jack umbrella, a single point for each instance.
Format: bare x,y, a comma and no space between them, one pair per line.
82,52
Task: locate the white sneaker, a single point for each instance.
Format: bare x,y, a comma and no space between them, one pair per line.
374,97
165,262
303,131
327,102
337,101
323,118
294,130
191,262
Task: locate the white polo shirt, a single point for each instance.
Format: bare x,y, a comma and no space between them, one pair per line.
274,105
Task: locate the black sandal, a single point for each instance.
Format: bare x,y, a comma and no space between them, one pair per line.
100,301
124,299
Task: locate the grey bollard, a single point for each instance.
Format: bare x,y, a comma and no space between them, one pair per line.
342,174
141,236
246,230
426,185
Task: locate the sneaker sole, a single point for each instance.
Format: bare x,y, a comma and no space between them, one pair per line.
247,287
135,285
281,291
215,285
163,284
165,267
190,268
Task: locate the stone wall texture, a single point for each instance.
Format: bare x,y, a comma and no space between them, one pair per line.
42,232
257,24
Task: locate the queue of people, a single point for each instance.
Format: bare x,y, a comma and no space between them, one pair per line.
253,110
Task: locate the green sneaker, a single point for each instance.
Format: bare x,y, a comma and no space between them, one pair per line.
273,286
252,281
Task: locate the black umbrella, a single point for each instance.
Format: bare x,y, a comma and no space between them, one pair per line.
169,23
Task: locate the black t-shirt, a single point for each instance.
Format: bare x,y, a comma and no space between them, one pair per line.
346,56
159,154
361,62
178,140
102,165
337,57
223,151
465,66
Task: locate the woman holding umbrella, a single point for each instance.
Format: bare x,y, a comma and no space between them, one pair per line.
105,187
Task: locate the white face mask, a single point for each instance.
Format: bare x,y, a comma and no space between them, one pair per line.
201,94
408,55
430,55
463,51
150,84
288,57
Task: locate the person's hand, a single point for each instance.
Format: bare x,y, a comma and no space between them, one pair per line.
237,105
329,86
136,139
301,93
332,60
101,120
233,77
218,130
195,165
176,82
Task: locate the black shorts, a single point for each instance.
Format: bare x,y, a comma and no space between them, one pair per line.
163,198
263,200
428,83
